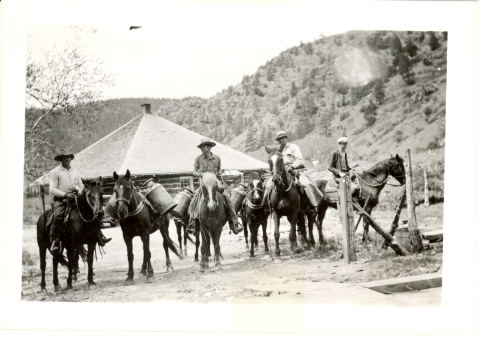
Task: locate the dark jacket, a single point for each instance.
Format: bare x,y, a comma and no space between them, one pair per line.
335,163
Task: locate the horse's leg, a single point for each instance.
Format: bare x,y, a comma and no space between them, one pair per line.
301,228
72,259
245,231
276,220
56,285
292,218
216,242
253,237
265,237
164,233
368,208
76,268
42,250
185,239
322,209
204,250
179,226
147,255
91,250
128,242
311,216
197,246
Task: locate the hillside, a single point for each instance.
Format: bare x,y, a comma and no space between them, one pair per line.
320,90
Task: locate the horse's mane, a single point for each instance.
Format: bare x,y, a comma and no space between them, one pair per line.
379,167
209,179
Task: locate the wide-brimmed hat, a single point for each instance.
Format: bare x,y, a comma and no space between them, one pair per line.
62,153
343,139
281,134
206,142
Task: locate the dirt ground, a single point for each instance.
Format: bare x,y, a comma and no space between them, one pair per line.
239,273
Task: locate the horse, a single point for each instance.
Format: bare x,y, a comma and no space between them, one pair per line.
179,226
284,199
212,217
82,227
371,183
254,213
136,219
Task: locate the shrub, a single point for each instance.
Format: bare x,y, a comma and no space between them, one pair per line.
258,92
283,100
428,111
427,62
344,116
358,131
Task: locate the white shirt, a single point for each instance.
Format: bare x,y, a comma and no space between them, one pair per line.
292,155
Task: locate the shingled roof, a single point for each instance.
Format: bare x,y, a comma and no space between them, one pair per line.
149,144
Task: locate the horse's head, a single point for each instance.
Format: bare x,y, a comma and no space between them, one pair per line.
94,196
275,160
397,169
123,193
256,186
209,188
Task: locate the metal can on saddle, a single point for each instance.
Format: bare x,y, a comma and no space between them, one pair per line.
183,200
158,196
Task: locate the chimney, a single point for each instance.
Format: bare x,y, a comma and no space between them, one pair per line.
147,108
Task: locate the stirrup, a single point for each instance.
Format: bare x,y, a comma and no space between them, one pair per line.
191,227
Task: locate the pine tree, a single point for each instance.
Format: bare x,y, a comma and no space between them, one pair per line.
262,138
326,123
293,90
270,73
379,91
370,113
433,42
411,48
395,45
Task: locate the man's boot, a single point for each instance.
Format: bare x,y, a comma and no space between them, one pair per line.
102,240
191,227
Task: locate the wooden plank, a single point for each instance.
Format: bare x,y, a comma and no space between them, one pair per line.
415,238
352,256
388,238
347,223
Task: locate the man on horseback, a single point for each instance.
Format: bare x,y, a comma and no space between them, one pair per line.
338,162
65,183
208,162
293,160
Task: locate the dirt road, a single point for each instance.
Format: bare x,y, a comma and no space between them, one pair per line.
239,274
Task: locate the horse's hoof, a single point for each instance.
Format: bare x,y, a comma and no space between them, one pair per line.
143,272
298,250
185,253
195,260
74,278
128,282
169,269
252,255
58,288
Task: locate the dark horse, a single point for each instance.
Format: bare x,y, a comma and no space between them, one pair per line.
82,227
284,198
136,219
254,213
179,226
371,183
212,217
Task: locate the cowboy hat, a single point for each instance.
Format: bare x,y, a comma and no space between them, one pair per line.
343,139
281,134
63,153
206,142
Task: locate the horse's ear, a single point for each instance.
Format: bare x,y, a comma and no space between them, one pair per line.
83,181
127,175
268,150
115,176
397,157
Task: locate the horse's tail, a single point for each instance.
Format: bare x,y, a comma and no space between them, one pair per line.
82,252
61,259
171,245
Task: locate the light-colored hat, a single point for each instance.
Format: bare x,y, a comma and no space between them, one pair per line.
206,142
343,139
281,134
63,153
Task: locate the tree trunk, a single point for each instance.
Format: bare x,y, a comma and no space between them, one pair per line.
426,201
415,239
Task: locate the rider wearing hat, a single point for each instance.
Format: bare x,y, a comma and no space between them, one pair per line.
209,162
338,161
292,157
65,183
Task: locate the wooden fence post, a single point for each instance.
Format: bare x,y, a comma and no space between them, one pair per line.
348,228
426,201
415,239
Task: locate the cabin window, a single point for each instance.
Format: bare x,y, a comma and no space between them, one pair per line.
186,182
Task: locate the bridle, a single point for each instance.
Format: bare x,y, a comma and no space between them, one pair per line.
139,207
249,203
95,214
280,173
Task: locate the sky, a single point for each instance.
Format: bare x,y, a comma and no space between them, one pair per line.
196,50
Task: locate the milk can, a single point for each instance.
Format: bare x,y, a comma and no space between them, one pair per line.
159,197
238,195
182,200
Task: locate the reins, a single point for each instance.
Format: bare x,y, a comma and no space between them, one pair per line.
249,203
80,213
